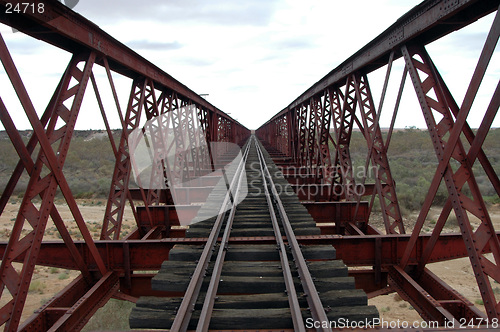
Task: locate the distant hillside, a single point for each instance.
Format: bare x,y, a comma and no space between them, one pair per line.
88,168
413,163
90,163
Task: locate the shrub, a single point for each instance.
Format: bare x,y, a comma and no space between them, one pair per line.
37,286
63,276
119,310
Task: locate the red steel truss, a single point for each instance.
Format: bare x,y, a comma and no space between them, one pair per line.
345,94
312,134
153,92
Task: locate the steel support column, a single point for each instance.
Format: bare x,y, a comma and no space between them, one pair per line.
343,130
384,182
115,207
323,153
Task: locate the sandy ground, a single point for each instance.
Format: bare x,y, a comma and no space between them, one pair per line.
48,281
456,273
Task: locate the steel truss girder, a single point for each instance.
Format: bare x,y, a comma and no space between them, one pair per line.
429,88
154,121
281,134
180,168
192,138
52,134
203,115
302,129
25,152
425,23
335,178
51,163
292,124
167,110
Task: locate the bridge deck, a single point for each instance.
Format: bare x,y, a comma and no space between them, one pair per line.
252,289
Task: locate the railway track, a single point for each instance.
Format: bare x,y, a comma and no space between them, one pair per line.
225,285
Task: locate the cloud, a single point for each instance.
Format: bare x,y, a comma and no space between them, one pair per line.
284,49
21,44
244,88
223,12
468,42
196,61
300,43
153,45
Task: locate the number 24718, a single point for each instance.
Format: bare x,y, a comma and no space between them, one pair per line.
25,7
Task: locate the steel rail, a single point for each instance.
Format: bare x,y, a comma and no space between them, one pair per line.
316,307
298,323
207,309
186,307
208,304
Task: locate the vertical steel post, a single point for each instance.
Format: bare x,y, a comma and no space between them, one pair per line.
383,178
115,206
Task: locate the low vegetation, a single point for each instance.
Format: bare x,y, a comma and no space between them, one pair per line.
37,286
112,316
88,168
413,163
90,163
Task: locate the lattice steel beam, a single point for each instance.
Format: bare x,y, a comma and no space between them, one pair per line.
386,187
440,123
121,176
52,135
52,162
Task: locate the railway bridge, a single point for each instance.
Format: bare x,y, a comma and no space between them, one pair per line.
238,229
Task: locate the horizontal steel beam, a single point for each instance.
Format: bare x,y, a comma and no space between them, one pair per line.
353,250
338,212
184,195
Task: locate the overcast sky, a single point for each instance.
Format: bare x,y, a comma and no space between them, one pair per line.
251,57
